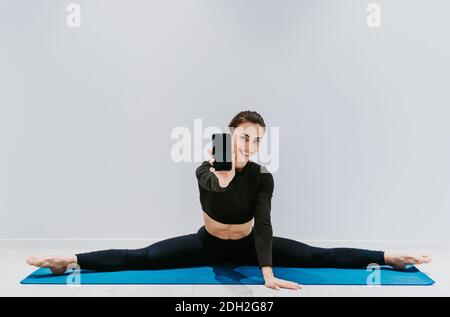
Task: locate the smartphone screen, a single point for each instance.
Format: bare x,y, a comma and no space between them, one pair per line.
221,151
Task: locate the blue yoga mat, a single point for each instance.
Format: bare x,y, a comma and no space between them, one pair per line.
236,274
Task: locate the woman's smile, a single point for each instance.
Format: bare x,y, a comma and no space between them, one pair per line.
244,153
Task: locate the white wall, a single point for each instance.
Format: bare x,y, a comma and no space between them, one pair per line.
86,114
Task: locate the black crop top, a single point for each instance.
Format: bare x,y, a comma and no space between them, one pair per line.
248,196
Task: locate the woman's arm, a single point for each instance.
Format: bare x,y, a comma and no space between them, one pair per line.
264,235
263,225
212,180
208,180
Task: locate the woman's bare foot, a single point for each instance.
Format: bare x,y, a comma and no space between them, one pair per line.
399,260
57,264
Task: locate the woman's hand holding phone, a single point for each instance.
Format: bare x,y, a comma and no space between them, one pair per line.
224,177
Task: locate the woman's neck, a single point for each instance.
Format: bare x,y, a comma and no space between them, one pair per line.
240,166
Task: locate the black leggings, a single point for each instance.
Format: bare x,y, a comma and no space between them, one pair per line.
202,248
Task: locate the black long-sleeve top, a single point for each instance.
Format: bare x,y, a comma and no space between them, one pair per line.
248,196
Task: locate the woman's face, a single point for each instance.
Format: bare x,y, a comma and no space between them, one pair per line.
246,139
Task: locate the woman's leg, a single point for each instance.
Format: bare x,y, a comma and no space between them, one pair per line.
181,251
288,252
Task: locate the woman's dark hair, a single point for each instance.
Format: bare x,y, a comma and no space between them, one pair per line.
247,116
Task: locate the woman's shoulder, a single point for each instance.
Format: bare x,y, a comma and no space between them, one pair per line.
259,167
261,170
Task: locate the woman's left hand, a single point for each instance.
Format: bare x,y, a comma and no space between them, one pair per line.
276,283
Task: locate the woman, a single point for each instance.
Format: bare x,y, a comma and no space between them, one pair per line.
237,226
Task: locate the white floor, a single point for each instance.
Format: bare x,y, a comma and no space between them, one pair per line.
14,269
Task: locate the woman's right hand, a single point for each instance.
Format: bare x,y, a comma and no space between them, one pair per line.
276,283
224,177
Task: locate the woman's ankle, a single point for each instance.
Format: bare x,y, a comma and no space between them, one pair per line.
72,259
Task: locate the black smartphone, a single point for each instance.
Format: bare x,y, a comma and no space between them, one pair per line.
221,151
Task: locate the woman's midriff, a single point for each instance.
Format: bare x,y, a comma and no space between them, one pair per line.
227,231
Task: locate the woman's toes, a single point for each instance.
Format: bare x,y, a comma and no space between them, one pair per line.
31,260
415,260
418,259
